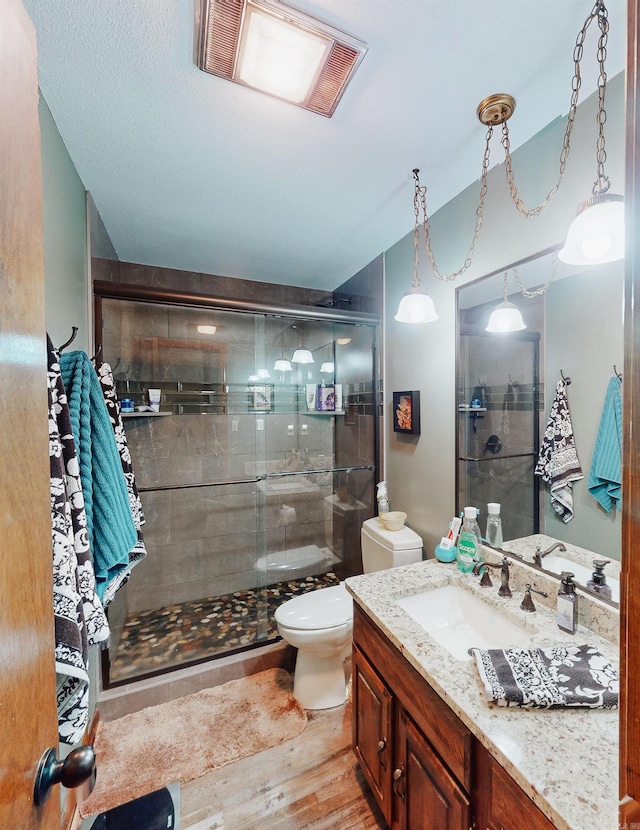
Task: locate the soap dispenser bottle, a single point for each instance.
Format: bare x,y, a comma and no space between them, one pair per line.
598,581
469,542
567,603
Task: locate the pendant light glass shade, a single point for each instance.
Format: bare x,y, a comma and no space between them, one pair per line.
327,367
596,235
282,365
416,307
506,317
302,356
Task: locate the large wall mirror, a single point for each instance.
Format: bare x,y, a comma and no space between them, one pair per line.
506,383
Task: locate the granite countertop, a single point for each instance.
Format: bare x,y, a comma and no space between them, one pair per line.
566,760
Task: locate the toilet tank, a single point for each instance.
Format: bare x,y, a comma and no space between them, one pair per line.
382,548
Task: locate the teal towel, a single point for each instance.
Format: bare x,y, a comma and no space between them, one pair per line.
112,533
605,476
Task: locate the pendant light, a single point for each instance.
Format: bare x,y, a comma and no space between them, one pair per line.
416,306
327,367
596,235
602,214
506,317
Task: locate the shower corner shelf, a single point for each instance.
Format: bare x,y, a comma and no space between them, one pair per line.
471,409
145,414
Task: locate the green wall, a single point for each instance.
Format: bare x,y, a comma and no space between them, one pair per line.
65,238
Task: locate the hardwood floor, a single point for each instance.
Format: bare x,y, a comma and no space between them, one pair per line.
311,782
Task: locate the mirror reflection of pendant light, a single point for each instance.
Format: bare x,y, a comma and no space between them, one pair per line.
327,367
603,213
301,355
416,306
282,364
506,317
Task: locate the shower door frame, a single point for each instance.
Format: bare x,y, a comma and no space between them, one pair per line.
105,290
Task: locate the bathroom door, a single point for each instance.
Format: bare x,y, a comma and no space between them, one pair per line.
27,681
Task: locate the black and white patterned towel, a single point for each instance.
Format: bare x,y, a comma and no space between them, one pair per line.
79,617
558,463
548,678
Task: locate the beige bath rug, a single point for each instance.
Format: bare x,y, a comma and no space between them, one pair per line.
185,738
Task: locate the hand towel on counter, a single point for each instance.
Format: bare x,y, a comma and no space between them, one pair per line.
558,464
139,551
79,618
112,533
605,475
548,678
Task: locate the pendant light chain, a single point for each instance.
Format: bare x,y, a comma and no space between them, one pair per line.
537,291
598,12
421,192
602,182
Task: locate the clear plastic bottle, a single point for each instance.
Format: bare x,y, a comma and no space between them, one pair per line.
494,525
469,542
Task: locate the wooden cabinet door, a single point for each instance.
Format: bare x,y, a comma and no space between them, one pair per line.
427,795
372,744
27,679
500,803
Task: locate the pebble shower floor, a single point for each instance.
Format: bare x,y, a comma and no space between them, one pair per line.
169,637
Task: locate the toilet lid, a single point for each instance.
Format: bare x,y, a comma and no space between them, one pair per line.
322,608
403,539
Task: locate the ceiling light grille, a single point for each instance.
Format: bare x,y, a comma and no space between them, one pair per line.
333,79
219,49
220,31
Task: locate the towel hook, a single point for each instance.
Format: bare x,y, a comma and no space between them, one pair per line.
567,380
97,354
616,372
74,331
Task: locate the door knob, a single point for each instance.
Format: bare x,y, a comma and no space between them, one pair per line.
77,767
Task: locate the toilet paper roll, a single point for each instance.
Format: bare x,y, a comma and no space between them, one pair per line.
287,515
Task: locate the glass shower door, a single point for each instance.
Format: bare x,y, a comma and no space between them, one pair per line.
498,429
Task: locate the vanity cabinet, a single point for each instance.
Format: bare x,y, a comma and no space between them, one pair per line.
424,766
402,734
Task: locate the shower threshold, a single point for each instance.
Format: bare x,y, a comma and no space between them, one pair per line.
174,636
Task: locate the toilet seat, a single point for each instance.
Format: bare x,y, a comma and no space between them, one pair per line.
322,608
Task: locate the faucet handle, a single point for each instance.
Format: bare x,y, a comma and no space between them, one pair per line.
485,580
527,601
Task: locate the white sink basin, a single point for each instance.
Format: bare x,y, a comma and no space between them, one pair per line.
557,564
459,620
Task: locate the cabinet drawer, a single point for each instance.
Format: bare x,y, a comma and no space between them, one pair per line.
443,729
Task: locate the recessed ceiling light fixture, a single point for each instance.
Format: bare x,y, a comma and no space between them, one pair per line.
273,48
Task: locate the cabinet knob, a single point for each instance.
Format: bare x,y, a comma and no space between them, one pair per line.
382,745
398,782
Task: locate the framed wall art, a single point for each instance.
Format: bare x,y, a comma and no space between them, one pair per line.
406,412
260,398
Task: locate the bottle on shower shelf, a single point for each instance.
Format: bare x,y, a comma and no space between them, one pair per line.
494,525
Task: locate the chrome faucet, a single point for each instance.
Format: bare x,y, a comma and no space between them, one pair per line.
504,590
539,555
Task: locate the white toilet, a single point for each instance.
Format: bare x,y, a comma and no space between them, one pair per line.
320,623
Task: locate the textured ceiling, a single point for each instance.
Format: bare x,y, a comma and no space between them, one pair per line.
192,172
